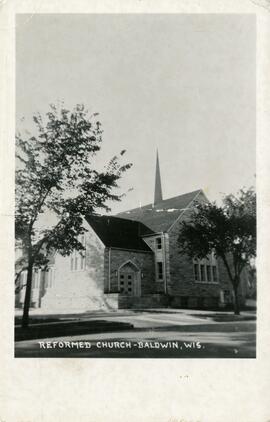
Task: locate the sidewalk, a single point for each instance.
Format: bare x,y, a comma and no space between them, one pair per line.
55,325
79,313
184,316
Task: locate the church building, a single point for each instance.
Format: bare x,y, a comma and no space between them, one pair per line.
132,260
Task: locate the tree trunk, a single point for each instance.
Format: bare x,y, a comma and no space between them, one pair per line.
27,299
236,300
235,280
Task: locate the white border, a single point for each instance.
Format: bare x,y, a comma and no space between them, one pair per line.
131,390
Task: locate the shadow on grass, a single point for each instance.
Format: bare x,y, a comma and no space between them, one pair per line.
225,317
73,328
54,317
39,320
214,328
64,329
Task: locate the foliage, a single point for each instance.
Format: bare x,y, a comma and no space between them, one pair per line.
228,230
55,174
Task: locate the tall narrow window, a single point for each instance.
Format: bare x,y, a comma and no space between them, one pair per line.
208,273
202,271
158,243
49,278
205,270
196,272
214,269
51,275
160,270
82,260
77,258
23,278
36,275
46,278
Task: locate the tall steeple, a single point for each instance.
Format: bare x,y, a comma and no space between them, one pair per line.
158,190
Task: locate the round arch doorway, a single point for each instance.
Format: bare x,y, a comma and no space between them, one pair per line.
129,279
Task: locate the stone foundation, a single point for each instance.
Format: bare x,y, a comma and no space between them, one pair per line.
143,302
194,302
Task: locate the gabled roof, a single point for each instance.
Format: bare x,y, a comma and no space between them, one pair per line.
161,216
119,232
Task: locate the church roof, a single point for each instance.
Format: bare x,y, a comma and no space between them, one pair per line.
159,217
119,232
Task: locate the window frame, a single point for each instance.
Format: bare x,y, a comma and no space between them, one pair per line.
78,258
196,271
160,271
209,277
206,266
214,273
202,273
36,278
158,243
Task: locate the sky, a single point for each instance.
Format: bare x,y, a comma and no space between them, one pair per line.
182,84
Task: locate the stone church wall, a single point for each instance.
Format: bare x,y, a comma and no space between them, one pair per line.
182,287
82,289
143,260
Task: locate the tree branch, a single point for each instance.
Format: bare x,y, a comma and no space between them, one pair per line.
19,273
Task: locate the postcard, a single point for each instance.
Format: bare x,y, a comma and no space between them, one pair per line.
134,212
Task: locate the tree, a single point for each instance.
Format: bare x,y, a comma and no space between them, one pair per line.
228,230
55,175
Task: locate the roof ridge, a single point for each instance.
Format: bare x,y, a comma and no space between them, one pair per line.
195,192
183,212
116,218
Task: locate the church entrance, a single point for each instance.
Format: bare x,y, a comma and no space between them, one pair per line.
127,283
129,277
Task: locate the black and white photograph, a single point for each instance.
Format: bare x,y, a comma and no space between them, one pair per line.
135,186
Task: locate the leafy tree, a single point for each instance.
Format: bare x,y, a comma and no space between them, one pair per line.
55,175
228,230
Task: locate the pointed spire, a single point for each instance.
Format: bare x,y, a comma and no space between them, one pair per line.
158,190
